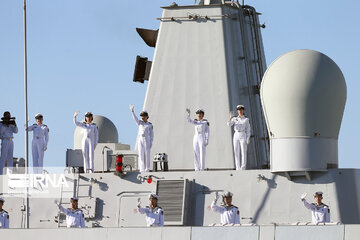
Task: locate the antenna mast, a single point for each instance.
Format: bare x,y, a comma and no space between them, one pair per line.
26,118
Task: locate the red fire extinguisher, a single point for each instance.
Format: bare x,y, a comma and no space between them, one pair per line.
119,163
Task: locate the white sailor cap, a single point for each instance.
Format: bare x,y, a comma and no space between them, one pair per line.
88,114
2,200
153,195
228,194
144,113
238,107
318,193
200,110
39,115
74,199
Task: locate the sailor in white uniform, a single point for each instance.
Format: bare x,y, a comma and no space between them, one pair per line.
7,129
89,141
154,213
39,142
201,138
320,212
4,216
74,215
241,136
229,213
144,140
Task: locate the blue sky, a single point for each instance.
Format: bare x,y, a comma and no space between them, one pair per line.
81,56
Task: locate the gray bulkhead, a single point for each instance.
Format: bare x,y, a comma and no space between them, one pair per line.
209,57
262,197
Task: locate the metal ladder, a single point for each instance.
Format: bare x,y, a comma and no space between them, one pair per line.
74,193
254,49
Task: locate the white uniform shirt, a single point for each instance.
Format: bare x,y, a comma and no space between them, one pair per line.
89,130
229,215
40,132
4,219
201,127
320,214
7,132
74,218
241,125
154,216
145,128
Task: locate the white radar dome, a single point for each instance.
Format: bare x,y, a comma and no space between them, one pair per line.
303,95
107,131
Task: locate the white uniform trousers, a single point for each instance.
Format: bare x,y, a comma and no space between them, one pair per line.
38,155
7,151
88,146
240,147
144,153
199,151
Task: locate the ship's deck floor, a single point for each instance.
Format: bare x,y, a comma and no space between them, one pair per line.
261,232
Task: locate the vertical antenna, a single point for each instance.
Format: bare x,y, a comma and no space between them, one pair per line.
26,118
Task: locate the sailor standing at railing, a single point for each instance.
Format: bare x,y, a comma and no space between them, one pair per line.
229,213
89,140
7,129
154,213
39,142
241,136
320,212
74,215
201,138
4,216
144,140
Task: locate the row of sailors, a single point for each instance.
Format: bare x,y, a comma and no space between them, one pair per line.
75,216
320,212
229,214
39,143
200,140
144,140
41,139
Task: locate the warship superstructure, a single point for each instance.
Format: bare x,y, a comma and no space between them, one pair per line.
207,56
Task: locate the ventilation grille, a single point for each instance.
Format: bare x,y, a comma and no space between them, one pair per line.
172,200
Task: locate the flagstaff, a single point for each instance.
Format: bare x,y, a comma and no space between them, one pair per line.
26,116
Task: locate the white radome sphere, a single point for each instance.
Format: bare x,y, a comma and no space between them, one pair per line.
303,94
